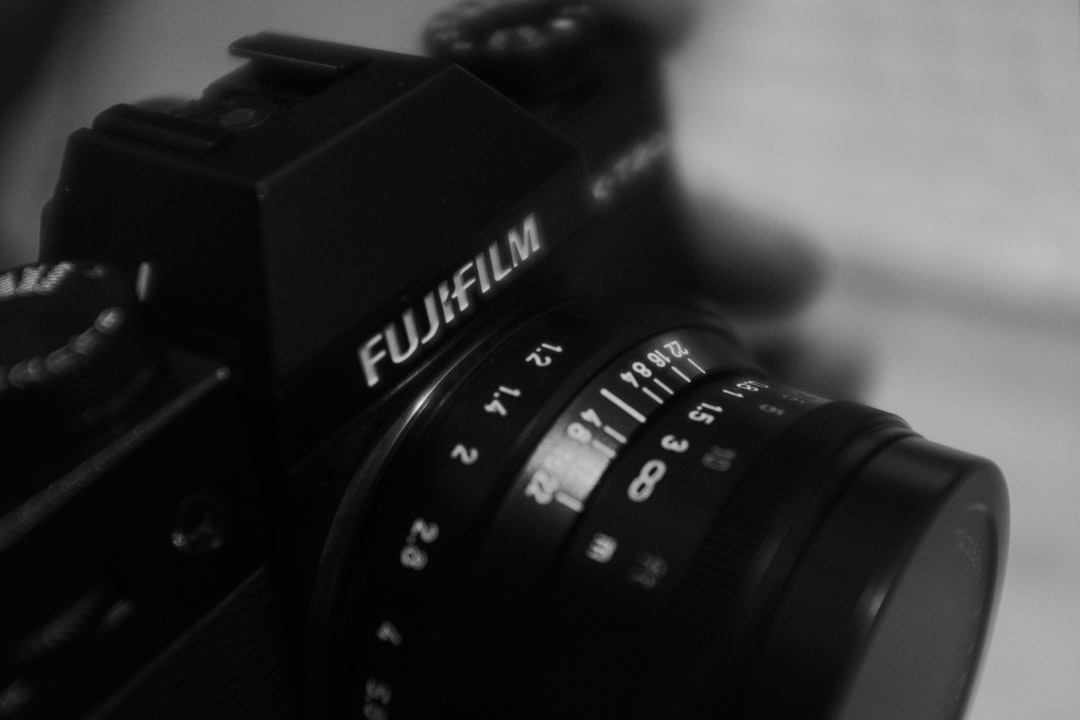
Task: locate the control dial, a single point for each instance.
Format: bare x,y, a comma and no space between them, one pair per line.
72,349
524,48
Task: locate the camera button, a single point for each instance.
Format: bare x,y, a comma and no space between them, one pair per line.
75,349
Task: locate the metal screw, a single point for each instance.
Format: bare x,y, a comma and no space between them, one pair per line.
200,523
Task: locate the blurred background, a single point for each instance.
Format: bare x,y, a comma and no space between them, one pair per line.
930,147
933,148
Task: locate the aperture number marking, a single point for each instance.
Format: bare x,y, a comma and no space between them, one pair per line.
422,532
676,349
541,357
496,406
659,360
465,455
640,370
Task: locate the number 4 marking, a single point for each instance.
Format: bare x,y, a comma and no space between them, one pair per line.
495,407
390,634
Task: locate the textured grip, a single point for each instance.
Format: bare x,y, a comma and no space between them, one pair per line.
72,348
232,665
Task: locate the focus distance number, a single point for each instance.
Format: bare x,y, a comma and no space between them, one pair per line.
705,413
674,444
642,486
542,487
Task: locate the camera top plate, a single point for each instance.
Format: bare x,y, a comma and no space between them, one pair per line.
303,195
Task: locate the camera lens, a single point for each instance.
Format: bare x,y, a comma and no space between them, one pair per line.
603,522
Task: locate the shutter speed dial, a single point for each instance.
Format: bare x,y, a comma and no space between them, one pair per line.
525,49
72,348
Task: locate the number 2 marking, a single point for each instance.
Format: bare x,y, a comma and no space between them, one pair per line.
465,455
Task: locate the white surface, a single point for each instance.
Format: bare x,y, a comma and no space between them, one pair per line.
933,146
939,138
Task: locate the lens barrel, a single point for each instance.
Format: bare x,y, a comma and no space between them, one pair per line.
893,600
593,525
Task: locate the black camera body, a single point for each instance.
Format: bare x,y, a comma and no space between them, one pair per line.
278,229
321,375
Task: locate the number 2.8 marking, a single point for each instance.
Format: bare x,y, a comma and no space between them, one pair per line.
421,532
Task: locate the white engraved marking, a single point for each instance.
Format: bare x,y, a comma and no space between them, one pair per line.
698,367
569,501
388,633
653,396
612,432
664,387
603,449
621,404
680,373
143,281
465,287
602,548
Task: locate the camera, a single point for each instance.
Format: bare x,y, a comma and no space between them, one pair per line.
381,386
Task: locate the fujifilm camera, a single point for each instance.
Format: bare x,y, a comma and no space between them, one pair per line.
377,386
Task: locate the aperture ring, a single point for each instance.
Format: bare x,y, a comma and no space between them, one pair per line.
430,549
432,505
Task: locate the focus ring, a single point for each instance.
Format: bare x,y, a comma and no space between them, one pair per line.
712,602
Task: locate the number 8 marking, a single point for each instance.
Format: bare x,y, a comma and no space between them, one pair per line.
641,489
